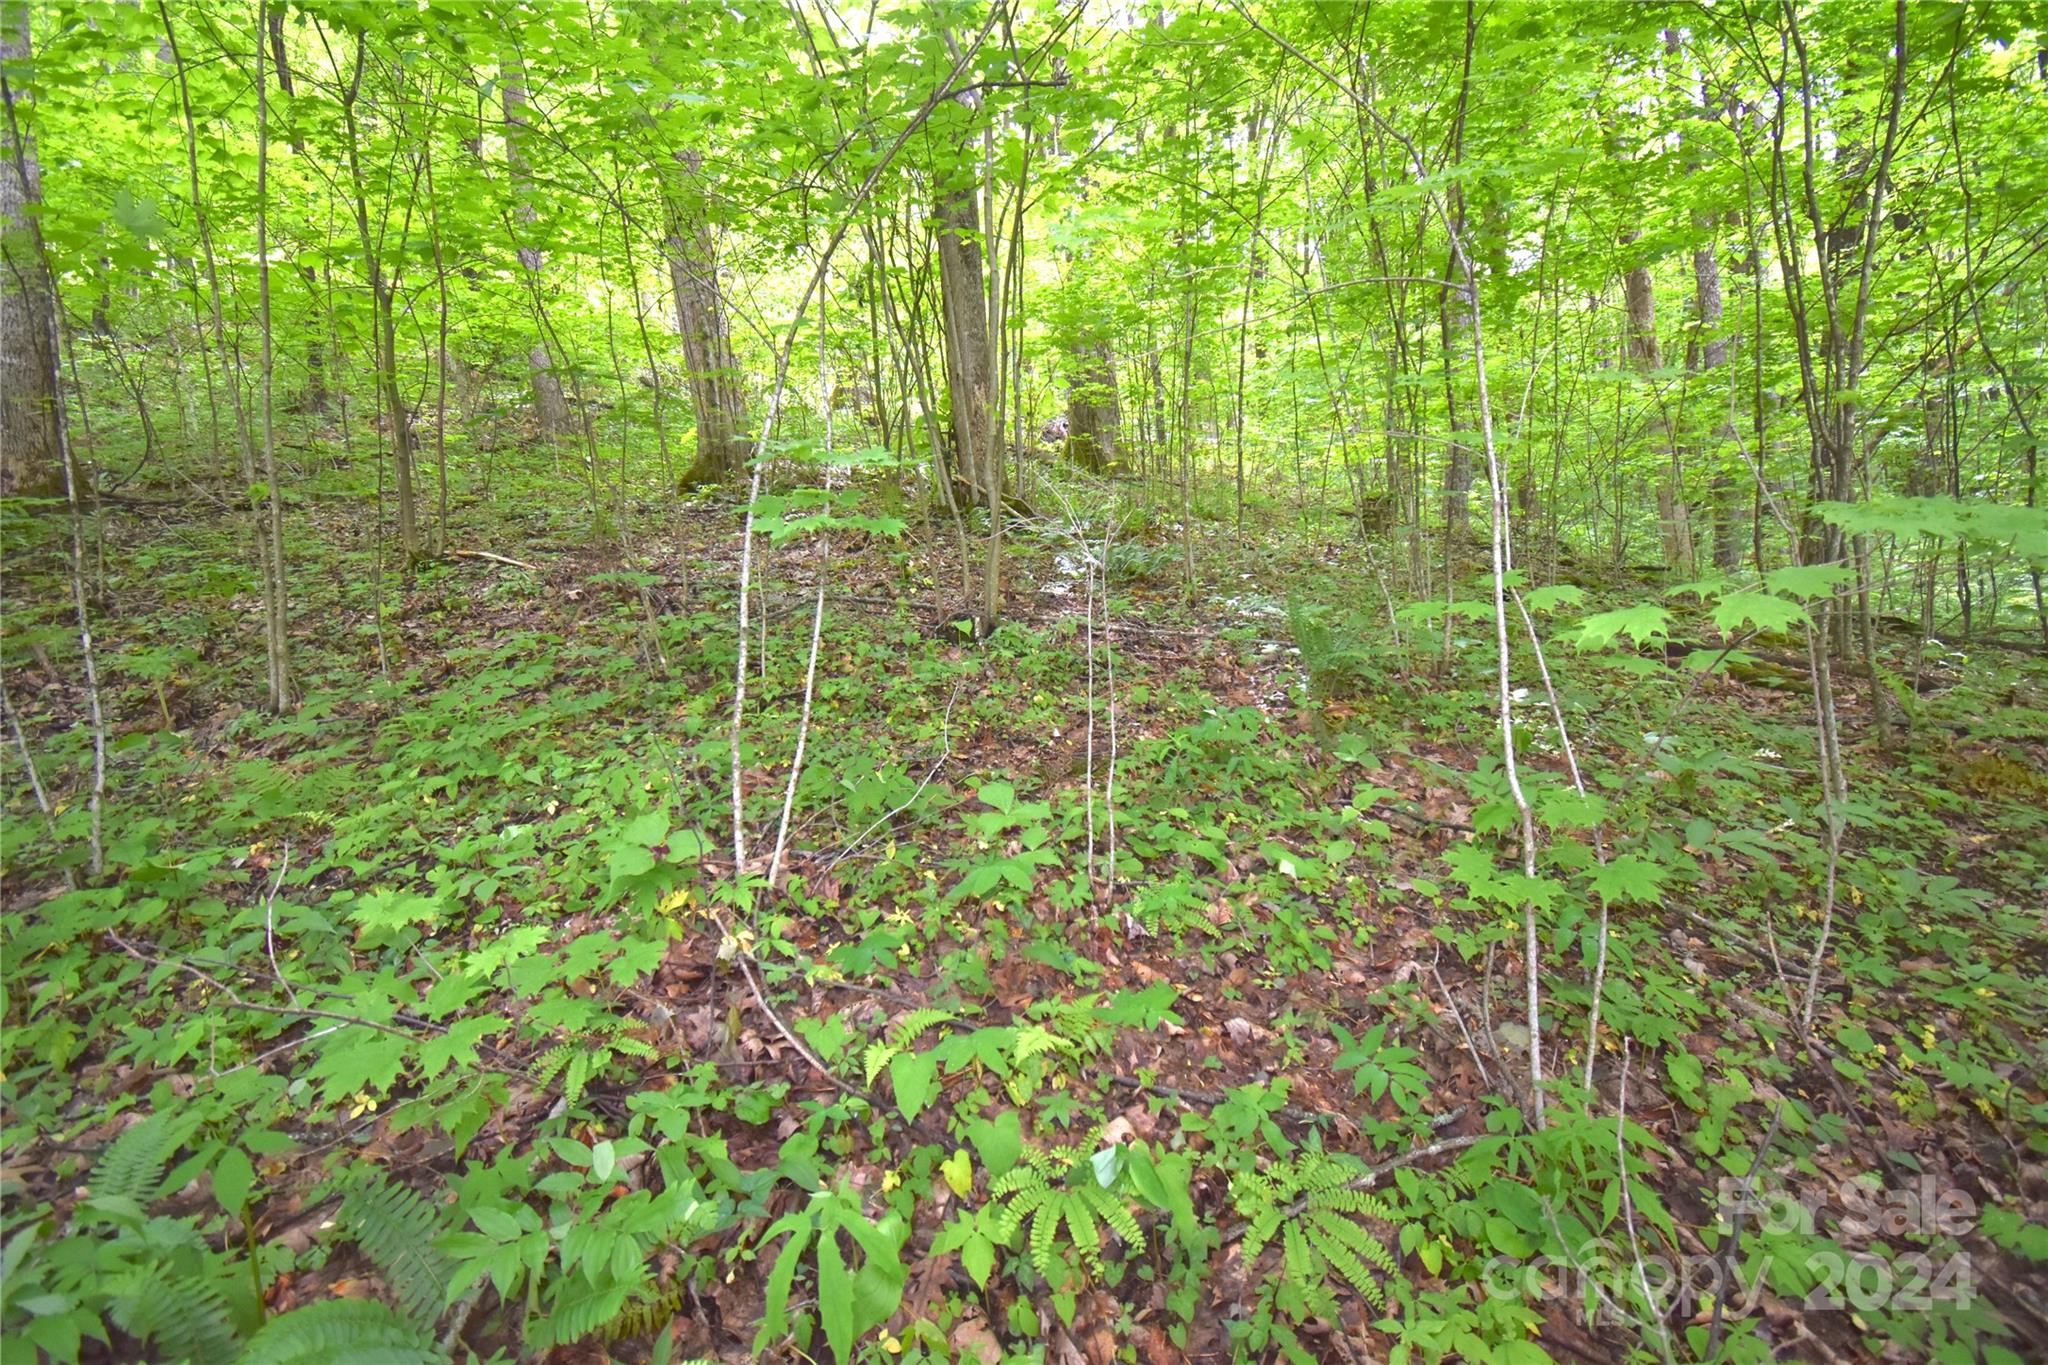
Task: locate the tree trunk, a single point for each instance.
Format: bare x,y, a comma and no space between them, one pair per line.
28,303
385,335
1710,354
716,395
1093,414
550,408
277,644
314,397
969,366
1454,320
1644,354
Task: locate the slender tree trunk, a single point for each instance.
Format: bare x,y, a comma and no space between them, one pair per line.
269,556
550,408
382,288
441,357
27,263
1711,354
28,302
1454,323
969,364
716,395
277,650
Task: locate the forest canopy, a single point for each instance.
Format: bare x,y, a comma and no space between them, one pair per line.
1023,679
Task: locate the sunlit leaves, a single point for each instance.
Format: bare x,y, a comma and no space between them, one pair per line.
1644,624
1759,610
1629,878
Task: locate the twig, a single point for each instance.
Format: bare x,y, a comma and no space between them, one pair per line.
1727,1254
1628,1209
945,752
1211,1099
494,558
1470,1046
803,726
35,781
270,926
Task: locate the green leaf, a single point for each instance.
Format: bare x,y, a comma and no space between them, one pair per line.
1760,609
1557,595
457,1047
1644,624
1809,580
835,1294
1686,1073
978,1258
1629,877
999,1142
233,1175
914,1076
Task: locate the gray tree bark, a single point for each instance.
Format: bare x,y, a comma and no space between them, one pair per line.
716,393
1644,354
550,408
970,367
28,303
1093,413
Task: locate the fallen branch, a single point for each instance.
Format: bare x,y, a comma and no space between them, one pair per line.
1209,1099
494,558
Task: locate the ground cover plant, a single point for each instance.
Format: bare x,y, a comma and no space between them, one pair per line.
1044,681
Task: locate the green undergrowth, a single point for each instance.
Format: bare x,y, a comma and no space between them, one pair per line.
431,989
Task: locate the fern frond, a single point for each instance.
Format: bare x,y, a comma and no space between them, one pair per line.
183,1317
581,1308
340,1332
1115,1213
635,1047
133,1167
876,1057
1014,1210
915,1024
1359,1238
1035,1040
1045,1238
1301,1269
1260,1233
576,1076
396,1230
1020,1177
1327,1232
644,1318
1361,1203
551,1063
1081,1226
1465,1181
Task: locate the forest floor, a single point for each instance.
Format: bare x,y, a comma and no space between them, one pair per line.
502,865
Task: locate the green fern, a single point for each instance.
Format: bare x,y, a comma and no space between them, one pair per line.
396,1230
180,1316
579,1064
341,1332
909,1029
580,1307
1058,1188
645,1318
133,1167
1310,1206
